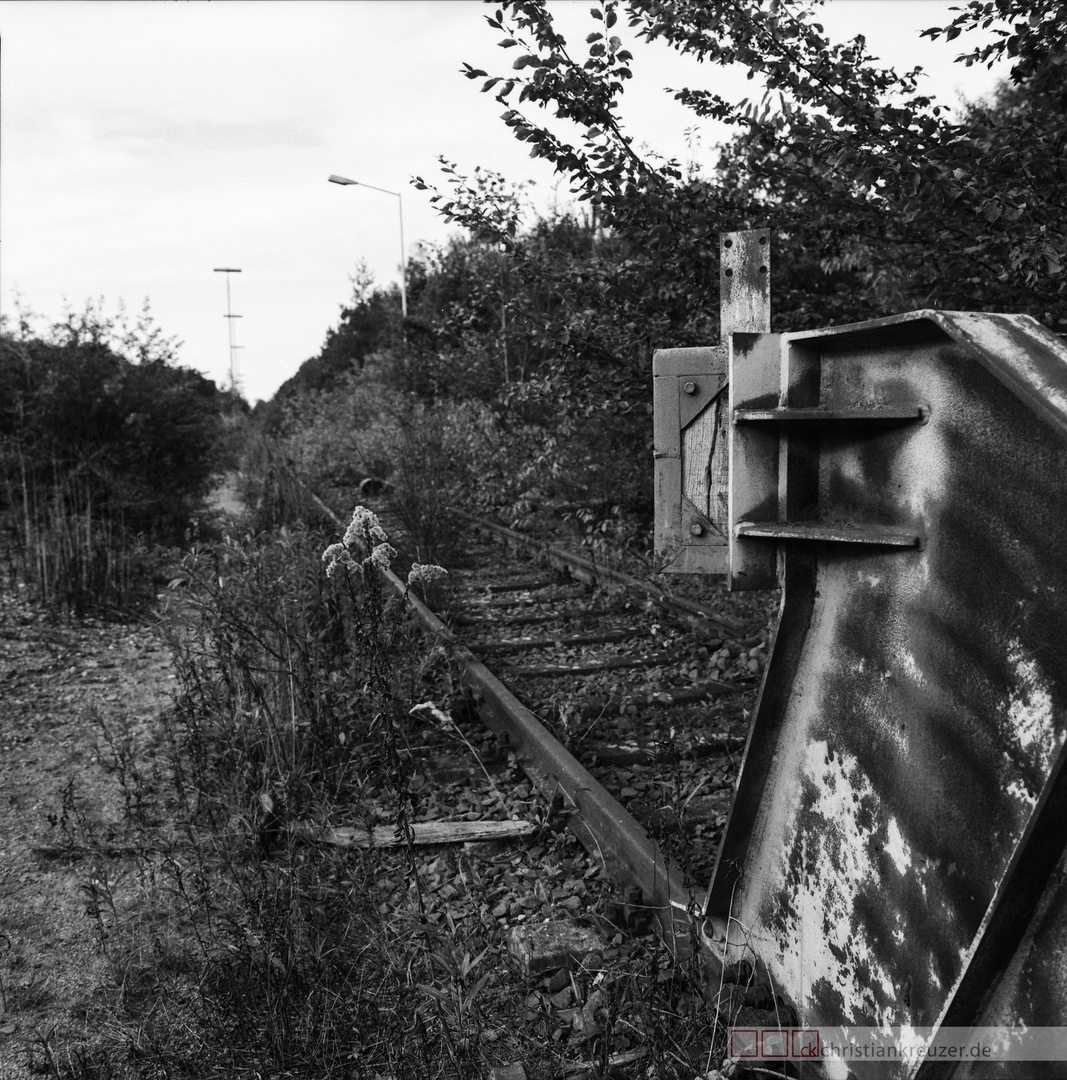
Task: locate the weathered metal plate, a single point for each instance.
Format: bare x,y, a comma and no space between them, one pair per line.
895,855
745,282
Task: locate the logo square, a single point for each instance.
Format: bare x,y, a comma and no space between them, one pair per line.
744,1043
805,1043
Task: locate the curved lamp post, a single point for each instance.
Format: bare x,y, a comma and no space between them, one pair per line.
335,179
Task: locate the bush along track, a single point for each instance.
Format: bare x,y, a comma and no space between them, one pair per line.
317,861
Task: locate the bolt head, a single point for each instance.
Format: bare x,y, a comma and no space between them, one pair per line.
696,529
690,388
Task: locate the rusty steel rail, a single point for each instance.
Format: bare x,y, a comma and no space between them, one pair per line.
587,570
601,823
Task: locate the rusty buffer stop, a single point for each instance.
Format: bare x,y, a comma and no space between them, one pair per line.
897,850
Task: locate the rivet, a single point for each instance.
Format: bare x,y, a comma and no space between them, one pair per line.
690,388
697,529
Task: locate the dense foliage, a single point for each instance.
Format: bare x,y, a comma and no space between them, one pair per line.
880,198
864,178
103,439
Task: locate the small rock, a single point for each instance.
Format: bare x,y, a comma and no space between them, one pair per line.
514,1071
550,945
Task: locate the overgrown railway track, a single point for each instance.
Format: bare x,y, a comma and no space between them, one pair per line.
626,707
620,675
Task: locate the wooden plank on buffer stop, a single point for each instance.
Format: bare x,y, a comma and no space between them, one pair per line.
424,833
688,447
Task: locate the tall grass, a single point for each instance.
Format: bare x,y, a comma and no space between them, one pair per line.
68,544
272,692
273,486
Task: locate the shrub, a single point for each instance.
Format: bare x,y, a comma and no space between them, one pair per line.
99,453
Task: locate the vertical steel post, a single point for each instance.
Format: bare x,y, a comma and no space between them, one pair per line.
744,283
232,332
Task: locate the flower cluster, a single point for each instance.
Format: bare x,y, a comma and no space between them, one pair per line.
426,573
364,533
382,555
364,528
337,555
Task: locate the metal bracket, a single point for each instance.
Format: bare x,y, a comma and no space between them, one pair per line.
697,393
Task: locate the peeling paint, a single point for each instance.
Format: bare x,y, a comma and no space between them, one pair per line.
1019,791
1030,709
897,848
839,867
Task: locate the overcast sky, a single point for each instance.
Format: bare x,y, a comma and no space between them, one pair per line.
146,143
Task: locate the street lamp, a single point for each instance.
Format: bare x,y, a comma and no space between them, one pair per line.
335,179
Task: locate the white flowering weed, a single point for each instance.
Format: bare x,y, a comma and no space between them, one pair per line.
426,573
337,555
364,528
364,534
382,555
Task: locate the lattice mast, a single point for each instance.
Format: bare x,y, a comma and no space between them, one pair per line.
235,371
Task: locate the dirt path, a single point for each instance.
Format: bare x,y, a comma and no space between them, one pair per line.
57,683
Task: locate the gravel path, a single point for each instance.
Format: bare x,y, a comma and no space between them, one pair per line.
58,681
